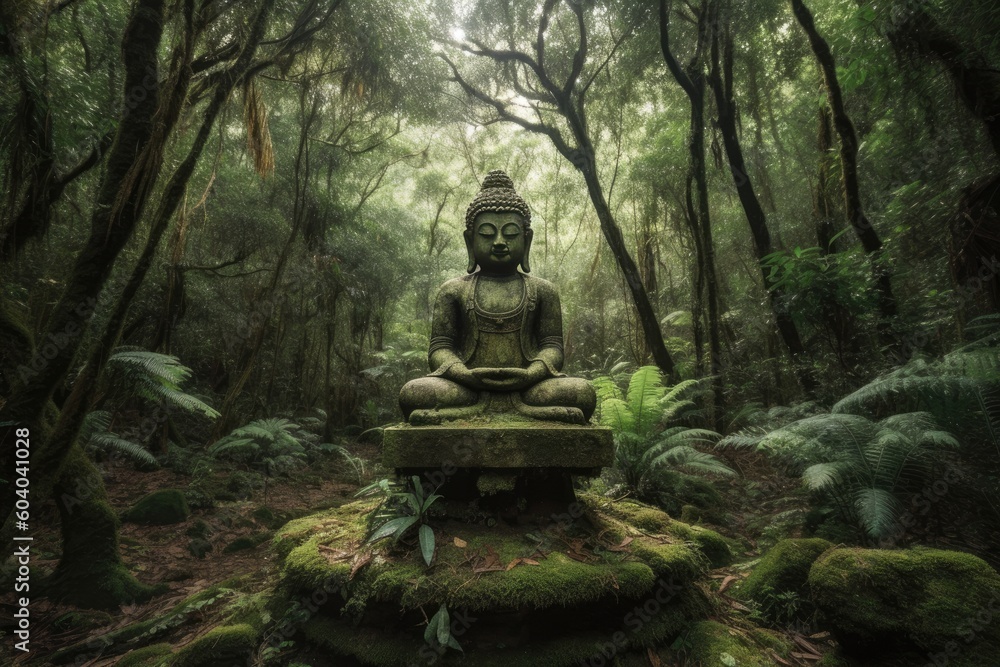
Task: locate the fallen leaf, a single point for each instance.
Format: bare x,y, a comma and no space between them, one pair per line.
530,561
623,546
460,543
806,656
820,635
654,659
359,562
778,659
726,583
736,605
511,565
805,645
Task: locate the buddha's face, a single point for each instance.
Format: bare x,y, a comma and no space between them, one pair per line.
499,242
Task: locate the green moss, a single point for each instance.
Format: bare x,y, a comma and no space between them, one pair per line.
672,562
162,507
652,520
226,644
923,600
82,619
713,545
785,568
147,656
382,649
710,642
198,529
246,542
490,483
119,640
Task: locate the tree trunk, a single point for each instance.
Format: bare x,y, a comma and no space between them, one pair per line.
869,238
721,80
692,80
90,572
613,235
130,172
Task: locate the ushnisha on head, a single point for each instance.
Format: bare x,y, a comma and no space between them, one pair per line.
498,228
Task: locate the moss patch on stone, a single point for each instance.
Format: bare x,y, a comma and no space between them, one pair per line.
924,600
783,569
147,656
159,508
226,644
246,542
375,647
710,642
649,519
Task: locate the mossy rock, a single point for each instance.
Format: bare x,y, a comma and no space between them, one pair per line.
559,603
925,601
147,656
159,508
226,644
484,646
198,529
246,542
199,548
783,569
709,643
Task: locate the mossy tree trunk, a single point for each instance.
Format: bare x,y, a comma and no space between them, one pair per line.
129,174
90,573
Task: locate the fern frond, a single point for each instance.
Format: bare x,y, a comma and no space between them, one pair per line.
823,476
878,510
606,389
114,444
616,415
645,388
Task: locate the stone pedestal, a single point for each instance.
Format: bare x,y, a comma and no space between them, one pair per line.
506,466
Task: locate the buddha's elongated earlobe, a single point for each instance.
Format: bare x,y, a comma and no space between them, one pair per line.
468,248
525,266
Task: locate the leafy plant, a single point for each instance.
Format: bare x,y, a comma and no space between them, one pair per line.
863,467
644,446
98,439
402,510
155,377
438,631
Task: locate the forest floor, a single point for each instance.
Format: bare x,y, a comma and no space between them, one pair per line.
757,506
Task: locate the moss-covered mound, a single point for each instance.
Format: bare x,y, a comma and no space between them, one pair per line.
924,601
783,569
224,645
712,644
147,656
162,507
550,592
652,520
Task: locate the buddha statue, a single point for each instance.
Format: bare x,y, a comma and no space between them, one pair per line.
496,335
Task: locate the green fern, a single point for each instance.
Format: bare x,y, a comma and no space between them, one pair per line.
96,438
155,377
644,448
863,467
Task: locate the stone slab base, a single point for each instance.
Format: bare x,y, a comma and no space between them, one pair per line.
515,445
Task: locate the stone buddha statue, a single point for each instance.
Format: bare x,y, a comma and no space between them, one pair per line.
496,336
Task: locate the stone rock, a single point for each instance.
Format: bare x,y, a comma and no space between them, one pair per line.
922,602
163,507
783,569
498,445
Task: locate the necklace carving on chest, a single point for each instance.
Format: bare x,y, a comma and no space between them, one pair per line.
491,295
